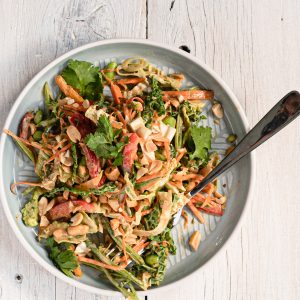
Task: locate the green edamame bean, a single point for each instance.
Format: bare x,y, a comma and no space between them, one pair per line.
152,260
111,66
37,135
38,117
170,121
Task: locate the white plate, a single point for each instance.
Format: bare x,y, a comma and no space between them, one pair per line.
238,180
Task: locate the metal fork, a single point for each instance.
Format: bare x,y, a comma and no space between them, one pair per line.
284,112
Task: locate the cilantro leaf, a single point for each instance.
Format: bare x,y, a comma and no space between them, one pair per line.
84,77
202,139
62,256
105,128
103,143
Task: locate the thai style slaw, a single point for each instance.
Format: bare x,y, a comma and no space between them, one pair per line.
115,151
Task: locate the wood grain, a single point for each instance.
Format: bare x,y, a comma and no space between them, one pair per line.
254,46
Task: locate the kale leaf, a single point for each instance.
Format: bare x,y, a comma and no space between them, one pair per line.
105,188
84,77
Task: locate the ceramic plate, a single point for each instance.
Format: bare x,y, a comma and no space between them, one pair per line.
236,183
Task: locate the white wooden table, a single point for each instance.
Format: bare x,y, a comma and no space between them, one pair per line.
255,47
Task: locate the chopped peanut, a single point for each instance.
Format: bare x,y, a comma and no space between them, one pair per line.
194,240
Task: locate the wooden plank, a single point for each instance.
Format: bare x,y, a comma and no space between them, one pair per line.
253,46
32,34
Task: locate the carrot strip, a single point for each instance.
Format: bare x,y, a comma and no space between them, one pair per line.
141,246
115,90
68,90
63,149
193,94
119,115
152,176
179,177
34,144
196,212
180,155
167,149
13,186
60,143
146,212
130,80
198,198
100,264
149,185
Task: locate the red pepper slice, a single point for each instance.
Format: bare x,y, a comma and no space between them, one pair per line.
86,207
216,210
102,180
92,162
130,152
24,126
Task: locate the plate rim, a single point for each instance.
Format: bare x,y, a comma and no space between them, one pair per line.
11,219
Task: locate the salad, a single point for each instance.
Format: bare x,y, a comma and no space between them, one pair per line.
115,153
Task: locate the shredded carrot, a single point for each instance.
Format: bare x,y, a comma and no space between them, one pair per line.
68,90
167,149
63,149
119,115
198,198
100,264
33,144
149,185
127,218
209,188
13,186
186,177
139,247
146,212
196,212
130,80
149,177
60,144
180,155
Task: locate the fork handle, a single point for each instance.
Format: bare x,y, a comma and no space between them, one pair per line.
284,112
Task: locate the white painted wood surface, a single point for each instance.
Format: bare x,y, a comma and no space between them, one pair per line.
255,47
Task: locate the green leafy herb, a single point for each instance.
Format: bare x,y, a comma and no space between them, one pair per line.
62,256
105,188
84,77
153,102
75,160
202,139
103,143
